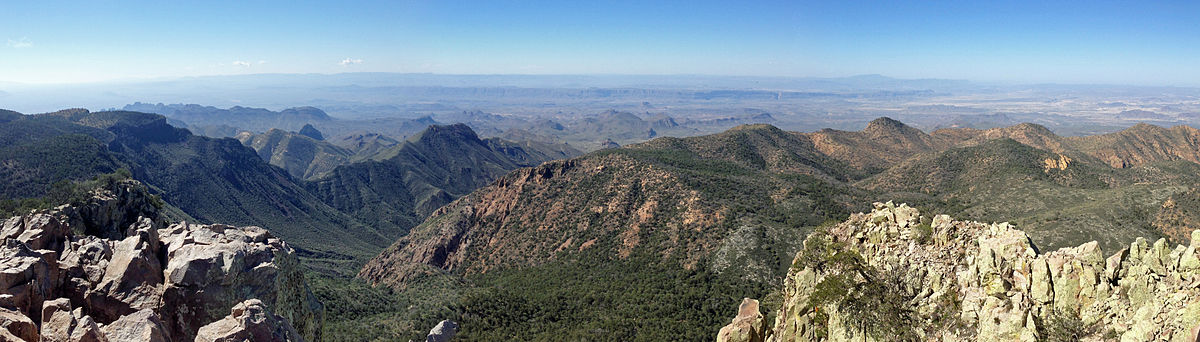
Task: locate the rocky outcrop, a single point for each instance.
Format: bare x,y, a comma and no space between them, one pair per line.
93,272
444,331
249,321
748,326
893,274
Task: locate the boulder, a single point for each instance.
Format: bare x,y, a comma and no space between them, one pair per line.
144,325
26,278
61,324
15,326
214,267
444,331
133,279
748,326
249,321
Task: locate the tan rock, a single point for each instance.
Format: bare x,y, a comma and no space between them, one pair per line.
15,325
144,325
249,321
25,277
748,326
133,279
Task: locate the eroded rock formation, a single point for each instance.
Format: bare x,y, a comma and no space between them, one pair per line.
110,269
893,274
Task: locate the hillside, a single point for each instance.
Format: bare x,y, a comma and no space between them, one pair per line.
398,187
1142,144
211,180
363,144
880,145
733,206
302,156
630,226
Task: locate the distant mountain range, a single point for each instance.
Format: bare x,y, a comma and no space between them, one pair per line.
220,180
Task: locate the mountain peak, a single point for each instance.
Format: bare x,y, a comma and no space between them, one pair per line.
309,131
458,131
888,127
883,123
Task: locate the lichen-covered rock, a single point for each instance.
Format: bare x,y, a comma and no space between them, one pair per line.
981,282
249,321
748,326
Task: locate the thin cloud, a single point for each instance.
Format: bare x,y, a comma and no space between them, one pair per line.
20,44
349,61
241,63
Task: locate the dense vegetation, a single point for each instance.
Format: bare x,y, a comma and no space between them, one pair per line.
584,298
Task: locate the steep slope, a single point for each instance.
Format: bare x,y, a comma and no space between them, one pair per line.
212,180
301,156
893,274
398,187
668,197
1142,144
1179,215
38,151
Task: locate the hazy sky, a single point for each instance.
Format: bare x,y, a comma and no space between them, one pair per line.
1023,41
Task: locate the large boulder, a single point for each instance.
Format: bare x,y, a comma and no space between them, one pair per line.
26,278
748,326
144,325
16,326
211,268
61,324
444,331
250,320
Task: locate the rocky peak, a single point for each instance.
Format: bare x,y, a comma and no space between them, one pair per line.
893,274
309,131
885,126
112,269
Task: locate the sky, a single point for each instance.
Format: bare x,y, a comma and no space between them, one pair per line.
1137,43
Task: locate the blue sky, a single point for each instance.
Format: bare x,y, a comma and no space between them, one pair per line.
1145,43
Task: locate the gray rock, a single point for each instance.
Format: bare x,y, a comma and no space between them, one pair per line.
444,331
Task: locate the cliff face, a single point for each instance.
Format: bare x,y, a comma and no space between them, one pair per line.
110,270
893,274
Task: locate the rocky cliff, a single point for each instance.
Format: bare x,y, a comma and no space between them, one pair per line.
110,269
893,274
